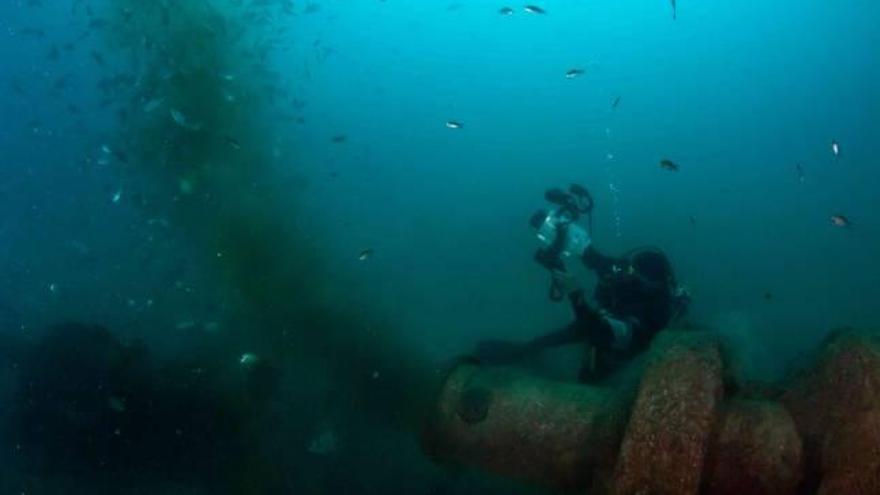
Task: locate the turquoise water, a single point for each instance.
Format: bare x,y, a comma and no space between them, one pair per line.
201,178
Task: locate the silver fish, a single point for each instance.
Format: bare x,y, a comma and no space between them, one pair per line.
248,360
180,119
839,220
232,142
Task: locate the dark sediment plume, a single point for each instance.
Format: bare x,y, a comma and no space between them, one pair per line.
237,209
111,414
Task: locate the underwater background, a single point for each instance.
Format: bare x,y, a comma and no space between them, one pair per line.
241,241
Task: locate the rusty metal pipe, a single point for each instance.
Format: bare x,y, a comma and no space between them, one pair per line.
511,423
679,434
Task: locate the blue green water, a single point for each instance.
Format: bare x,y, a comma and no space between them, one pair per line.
236,227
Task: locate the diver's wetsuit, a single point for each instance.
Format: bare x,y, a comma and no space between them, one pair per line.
636,301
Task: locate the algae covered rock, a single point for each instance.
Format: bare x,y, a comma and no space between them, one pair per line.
670,425
515,424
836,406
755,449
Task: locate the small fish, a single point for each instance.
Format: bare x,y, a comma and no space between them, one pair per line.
35,126
180,119
339,139
98,58
162,222
615,103
768,296
505,11
34,32
61,83
674,10
325,442
839,220
17,87
800,173
121,156
98,23
835,148
152,104
122,115
365,255
454,124
232,142
693,220
534,9
117,196
574,73
248,360
116,404
669,165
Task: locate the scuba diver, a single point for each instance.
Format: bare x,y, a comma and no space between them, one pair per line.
636,295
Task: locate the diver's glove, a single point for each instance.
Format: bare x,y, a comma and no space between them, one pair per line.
499,352
681,302
565,282
591,322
